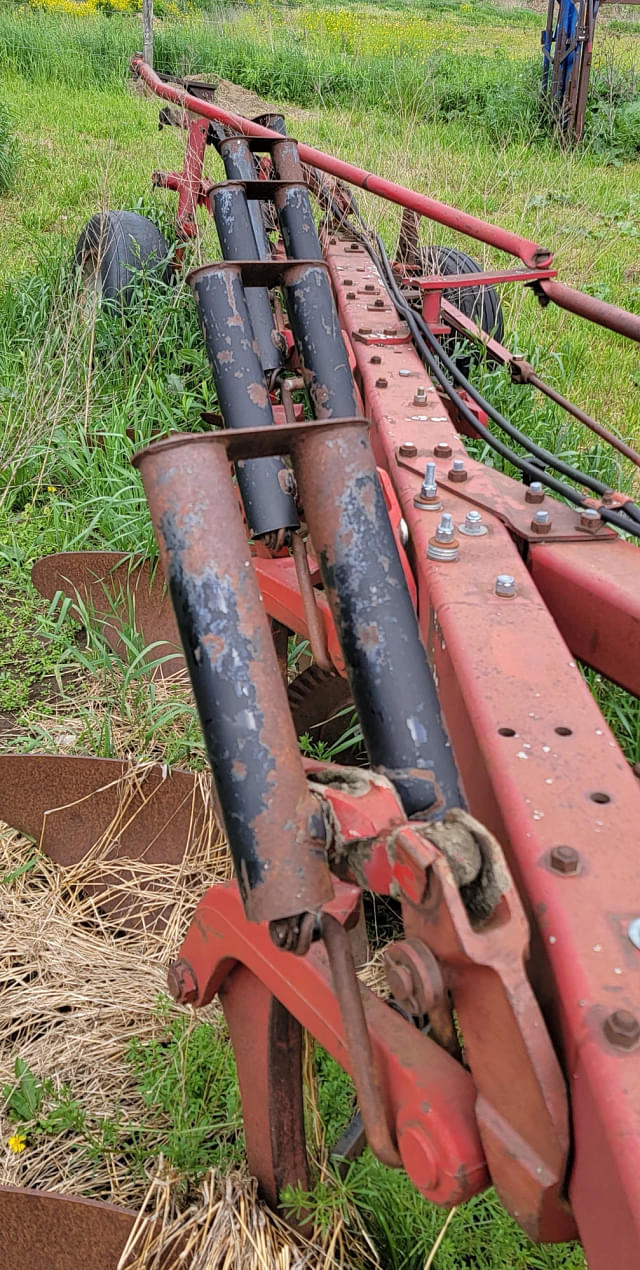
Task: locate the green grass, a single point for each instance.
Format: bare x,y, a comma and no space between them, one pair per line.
464,129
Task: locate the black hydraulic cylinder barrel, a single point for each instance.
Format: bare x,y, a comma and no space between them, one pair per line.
242,391
273,823
297,225
321,347
240,165
237,240
391,681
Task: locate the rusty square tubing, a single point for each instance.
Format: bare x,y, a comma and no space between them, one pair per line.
274,825
541,769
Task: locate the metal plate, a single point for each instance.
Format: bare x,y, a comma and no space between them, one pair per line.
70,805
118,591
45,1231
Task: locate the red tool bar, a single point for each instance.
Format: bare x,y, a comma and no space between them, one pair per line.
542,770
532,254
593,592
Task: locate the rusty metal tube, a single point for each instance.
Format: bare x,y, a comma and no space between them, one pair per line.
392,685
297,225
242,391
237,240
589,306
274,825
240,165
320,343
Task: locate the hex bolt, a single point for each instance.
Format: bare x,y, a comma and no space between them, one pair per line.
351,295
364,330
378,304
445,531
428,496
444,544
564,860
505,585
375,360
457,472
390,330
590,519
534,492
353,247
622,1029
407,450
368,286
181,982
442,450
420,396
633,931
541,523
404,372
381,383
473,525
347,282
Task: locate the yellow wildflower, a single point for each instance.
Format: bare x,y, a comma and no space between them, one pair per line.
51,489
17,1143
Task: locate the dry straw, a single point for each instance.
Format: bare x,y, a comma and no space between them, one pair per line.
76,988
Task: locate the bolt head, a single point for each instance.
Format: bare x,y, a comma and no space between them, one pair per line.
622,1029
407,449
445,531
564,860
505,585
347,282
375,360
590,519
541,523
633,931
534,492
404,372
420,396
442,450
378,304
381,383
351,295
457,472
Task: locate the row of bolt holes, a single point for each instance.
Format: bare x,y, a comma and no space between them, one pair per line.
599,796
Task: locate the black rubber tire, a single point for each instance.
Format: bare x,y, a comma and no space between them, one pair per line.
113,248
481,304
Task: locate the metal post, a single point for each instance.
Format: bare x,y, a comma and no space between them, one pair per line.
147,31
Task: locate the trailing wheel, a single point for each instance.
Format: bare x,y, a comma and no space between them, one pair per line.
112,251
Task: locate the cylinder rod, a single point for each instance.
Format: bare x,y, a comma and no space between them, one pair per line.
274,825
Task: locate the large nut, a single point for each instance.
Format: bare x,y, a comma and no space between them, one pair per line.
413,975
622,1029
